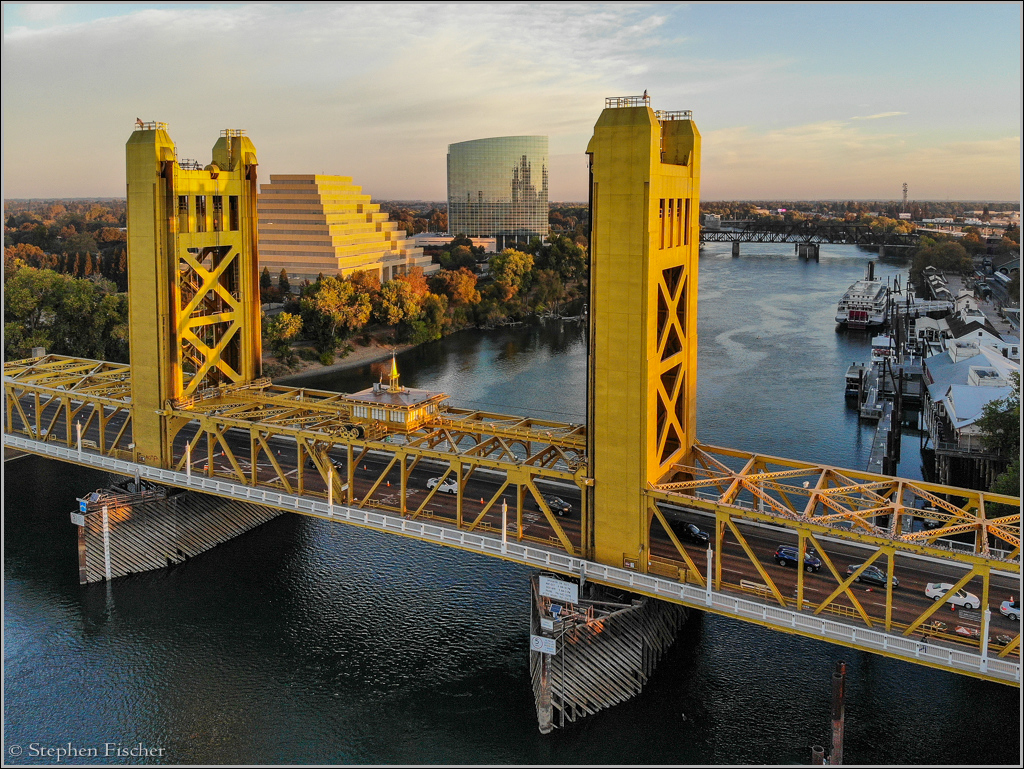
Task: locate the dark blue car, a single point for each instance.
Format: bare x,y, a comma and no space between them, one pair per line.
786,555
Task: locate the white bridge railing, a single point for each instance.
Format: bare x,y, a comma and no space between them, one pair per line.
910,649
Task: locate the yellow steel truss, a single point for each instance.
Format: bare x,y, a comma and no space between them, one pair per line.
303,442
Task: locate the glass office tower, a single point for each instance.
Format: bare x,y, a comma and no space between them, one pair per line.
498,188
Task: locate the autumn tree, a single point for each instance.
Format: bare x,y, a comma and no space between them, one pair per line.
438,221
417,282
25,255
458,285
395,303
280,330
331,311
511,271
366,282
283,284
459,288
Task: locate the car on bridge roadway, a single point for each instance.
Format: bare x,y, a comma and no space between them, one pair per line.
1010,609
450,485
940,590
690,533
786,555
558,505
872,575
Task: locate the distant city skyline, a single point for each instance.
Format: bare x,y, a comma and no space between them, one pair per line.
793,101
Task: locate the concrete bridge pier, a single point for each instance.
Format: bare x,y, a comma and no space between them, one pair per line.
593,647
808,251
881,251
735,248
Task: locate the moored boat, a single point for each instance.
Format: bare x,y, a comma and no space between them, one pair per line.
865,304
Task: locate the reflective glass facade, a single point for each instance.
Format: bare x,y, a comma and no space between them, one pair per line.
498,188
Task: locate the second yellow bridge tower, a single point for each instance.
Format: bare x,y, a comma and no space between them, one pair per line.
642,369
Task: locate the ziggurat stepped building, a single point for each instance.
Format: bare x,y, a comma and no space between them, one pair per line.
310,223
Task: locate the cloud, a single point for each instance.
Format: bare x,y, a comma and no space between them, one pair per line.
369,90
879,116
42,12
377,92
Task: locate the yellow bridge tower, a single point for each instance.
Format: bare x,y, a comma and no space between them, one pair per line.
645,186
193,294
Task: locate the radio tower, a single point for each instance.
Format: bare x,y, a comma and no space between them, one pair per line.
904,197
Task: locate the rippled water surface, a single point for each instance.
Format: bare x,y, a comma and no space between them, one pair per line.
307,642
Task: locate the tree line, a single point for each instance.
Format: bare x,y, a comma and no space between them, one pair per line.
537,278
851,210
80,238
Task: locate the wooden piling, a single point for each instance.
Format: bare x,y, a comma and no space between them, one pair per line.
601,661
159,532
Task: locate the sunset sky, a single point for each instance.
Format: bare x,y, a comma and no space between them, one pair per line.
793,100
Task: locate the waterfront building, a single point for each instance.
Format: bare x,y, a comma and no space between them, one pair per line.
960,382
311,224
498,188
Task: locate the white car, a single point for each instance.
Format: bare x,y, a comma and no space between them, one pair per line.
1010,609
938,590
450,485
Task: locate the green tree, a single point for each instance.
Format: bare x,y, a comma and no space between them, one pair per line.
943,255
266,284
456,257
1008,482
550,291
1000,422
430,322
283,285
564,256
67,316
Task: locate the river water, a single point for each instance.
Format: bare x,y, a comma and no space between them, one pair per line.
310,642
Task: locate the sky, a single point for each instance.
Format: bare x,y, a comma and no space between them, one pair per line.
794,101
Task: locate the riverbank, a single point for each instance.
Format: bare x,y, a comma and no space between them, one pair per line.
360,355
